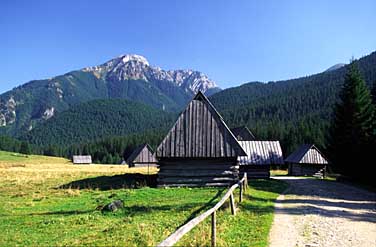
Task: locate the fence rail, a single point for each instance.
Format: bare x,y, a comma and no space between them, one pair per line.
179,233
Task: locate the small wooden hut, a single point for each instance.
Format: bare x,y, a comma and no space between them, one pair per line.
307,160
199,150
243,134
142,156
260,155
82,159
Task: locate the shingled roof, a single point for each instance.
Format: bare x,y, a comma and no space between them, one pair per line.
82,159
199,132
261,153
307,154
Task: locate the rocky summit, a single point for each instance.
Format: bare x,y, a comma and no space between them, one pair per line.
129,77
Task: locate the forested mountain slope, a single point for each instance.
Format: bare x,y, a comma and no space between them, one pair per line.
96,120
127,77
294,111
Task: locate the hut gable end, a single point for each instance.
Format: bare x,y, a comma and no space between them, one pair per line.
143,154
307,154
199,132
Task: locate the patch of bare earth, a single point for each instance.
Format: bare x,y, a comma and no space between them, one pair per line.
315,212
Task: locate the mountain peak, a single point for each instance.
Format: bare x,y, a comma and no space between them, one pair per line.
133,57
136,67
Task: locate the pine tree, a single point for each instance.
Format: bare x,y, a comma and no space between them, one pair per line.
373,92
25,148
51,150
351,131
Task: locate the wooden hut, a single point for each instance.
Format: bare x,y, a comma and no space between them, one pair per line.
243,134
260,155
307,160
199,150
82,159
142,156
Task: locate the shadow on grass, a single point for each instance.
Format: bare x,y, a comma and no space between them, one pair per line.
133,181
204,207
64,213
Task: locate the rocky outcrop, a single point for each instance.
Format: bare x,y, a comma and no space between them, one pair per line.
138,68
7,111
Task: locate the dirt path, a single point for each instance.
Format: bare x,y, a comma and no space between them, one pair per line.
322,213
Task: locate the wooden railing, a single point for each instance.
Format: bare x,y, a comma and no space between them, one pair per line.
178,234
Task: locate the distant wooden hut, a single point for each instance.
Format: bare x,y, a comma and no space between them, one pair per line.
243,134
260,155
82,159
307,160
142,156
199,150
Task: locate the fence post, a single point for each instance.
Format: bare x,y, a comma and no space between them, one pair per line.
241,192
246,180
213,229
232,203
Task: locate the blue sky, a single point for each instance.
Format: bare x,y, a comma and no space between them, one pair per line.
231,41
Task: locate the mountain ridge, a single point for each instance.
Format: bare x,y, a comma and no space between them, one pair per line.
336,66
127,77
293,111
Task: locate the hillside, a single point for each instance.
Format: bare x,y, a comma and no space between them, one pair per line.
295,111
126,77
96,120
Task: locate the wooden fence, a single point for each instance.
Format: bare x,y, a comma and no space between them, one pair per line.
178,234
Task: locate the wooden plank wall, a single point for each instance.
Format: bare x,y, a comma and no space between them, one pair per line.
194,173
313,157
145,156
304,169
199,132
255,171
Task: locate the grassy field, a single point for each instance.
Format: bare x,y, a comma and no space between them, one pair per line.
279,172
50,202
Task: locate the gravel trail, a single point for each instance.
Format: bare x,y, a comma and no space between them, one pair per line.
313,213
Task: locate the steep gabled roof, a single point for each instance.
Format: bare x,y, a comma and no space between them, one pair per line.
142,154
261,153
307,154
243,134
199,132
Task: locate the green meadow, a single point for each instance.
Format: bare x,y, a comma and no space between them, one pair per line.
48,201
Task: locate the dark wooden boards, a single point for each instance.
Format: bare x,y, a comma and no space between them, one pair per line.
142,156
193,173
199,132
307,154
255,171
307,160
199,150
305,169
